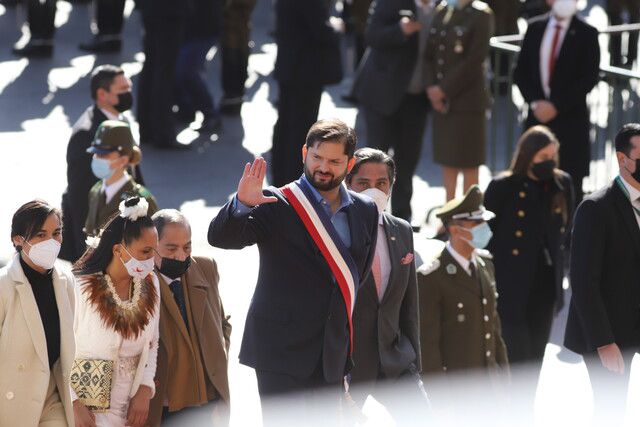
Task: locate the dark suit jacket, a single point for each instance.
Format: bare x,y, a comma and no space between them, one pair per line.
80,179
308,48
390,60
386,333
605,274
297,312
576,73
212,329
518,241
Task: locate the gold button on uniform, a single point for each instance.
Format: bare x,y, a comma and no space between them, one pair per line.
20,367
487,336
484,301
10,395
558,210
515,252
518,233
521,214
488,353
460,305
486,318
522,194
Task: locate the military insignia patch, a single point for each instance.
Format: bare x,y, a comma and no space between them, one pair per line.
451,269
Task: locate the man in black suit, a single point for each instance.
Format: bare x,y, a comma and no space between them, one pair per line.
111,92
297,334
557,67
605,255
391,88
41,15
109,19
308,59
385,319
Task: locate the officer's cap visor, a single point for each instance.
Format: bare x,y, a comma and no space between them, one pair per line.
101,149
479,215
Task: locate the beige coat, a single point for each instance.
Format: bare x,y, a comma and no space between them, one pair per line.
25,377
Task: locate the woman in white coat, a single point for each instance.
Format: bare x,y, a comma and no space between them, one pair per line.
116,323
36,323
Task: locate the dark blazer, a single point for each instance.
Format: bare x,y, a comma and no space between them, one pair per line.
576,73
388,64
80,179
297,311
386,333
521,229
308,48
605,274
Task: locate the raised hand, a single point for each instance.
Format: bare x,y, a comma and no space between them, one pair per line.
250,185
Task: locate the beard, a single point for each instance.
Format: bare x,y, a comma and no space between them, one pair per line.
332,183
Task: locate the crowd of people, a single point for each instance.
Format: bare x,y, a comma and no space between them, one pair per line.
136,333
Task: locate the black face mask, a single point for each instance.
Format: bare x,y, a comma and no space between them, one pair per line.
543,170
125,102
635,175
173,268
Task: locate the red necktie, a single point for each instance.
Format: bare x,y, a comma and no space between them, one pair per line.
554,47
377,274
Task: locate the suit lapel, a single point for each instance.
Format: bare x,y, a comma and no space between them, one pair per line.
567,46
628,217
169,303
460,277
537,41
196,286
394,256
67,348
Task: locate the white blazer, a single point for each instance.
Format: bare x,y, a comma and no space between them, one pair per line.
95,341
24,363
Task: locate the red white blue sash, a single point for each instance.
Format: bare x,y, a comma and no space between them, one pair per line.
328,241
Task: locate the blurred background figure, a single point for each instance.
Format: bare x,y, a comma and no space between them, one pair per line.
355,14
41,15
201,33
617,10
533,203
308,58
163,24
390,87
236,38
108,19
505,13
456,85
558,65
111,93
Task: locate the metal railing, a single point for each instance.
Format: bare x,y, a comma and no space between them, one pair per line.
614,101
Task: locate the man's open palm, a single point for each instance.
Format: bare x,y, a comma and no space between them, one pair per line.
250,185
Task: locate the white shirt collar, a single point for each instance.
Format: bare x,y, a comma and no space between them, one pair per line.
464,263
110,115
634,194
111,190
168,280
564,23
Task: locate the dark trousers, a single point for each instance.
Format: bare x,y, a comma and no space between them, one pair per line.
297,111
192,93
109,16
288,400
615,10
609,389
526,340
161,44
234,71
402,132
41,18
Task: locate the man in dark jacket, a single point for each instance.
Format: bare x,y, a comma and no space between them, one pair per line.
605,254
308,58
557,67
111,92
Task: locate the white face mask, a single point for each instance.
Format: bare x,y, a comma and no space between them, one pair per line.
380,197
564,9
136,268
44,254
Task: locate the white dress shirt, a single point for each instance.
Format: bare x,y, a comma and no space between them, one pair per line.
111,190
634,196
111,116
382,251
464,263
545,48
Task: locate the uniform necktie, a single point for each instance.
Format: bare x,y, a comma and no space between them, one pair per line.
472,270
178,295
377,274
553,55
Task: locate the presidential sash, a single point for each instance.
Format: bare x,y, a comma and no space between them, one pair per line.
328,241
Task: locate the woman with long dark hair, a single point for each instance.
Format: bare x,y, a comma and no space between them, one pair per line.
36,323
533,202
116,323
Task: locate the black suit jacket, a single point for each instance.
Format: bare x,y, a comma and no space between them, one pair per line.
386,333
389,62
297,312
541,226
80,179
576,73
308,48
605,274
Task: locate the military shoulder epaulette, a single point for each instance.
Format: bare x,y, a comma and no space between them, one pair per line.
96,187
429,267
480,5
484,253
143,192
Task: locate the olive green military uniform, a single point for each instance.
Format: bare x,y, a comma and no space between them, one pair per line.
459,324
455,55
100,211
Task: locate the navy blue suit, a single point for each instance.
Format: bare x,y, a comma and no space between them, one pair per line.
297,320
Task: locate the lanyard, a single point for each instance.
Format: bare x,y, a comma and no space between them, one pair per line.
626,192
